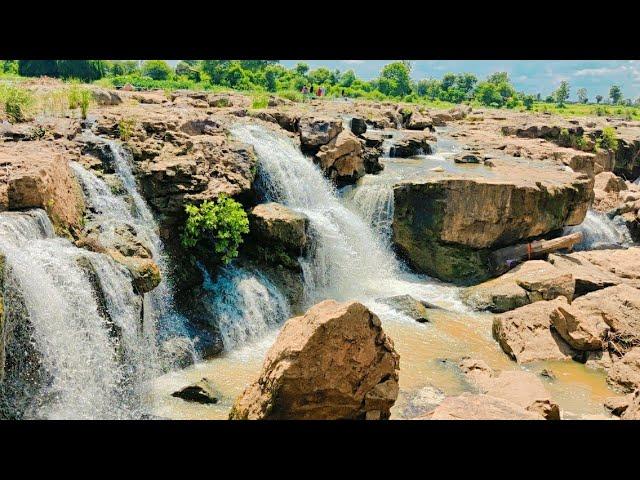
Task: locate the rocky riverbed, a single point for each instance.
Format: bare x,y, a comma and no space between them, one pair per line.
359,212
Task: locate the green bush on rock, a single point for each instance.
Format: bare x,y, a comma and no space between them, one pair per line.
223,220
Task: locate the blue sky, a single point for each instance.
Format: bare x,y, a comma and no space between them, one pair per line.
531,76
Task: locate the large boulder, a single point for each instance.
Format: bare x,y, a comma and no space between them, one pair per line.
613,313
105,97
318,131
358,125
529,282
525,333
419,121
278,225
412,143
341,159
446,225
198,169
334,362
36,174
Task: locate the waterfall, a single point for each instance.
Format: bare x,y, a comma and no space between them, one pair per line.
111,211
245,304
92,352
349,260
374,202
599,231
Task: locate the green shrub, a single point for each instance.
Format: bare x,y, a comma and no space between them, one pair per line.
291,95
156,69
608,140
17,102
224,221
260,101
85,100
125,128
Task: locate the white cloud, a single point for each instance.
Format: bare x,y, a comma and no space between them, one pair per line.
353,62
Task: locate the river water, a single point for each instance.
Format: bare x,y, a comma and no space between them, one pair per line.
352,260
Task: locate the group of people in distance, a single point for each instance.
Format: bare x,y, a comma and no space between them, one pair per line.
320,92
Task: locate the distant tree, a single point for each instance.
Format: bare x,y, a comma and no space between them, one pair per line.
598,98
255,65
430,88
122,67
562,93
320,76
38,68
527,101
271,74
488,94
498,77
637,101
394,79
156,69
188,69
301,68
9,66
347,78
538,97
582,95
549,99
615,94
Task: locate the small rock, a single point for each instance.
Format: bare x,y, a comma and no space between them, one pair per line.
201,392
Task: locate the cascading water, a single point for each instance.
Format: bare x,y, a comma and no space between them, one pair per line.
374,202
599,231
245,304
92,352
348,261
113,211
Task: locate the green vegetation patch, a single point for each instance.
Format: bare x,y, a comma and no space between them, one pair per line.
223,221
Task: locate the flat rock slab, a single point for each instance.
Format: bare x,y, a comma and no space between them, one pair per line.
525,333
479,407
529,282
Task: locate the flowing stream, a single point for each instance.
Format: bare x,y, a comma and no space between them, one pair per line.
351,259
96,357
599,231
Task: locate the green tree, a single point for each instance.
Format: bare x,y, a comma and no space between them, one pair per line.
395,79
38,68
582,95
598,98
156,69
301,68
562,93
189,69
498,78
430,88
320,76
615,94
256,65
347,78
487,93
527,101
85,70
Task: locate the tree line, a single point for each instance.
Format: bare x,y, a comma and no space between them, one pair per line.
393,82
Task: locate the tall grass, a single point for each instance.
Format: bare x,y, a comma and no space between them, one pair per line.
18,103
